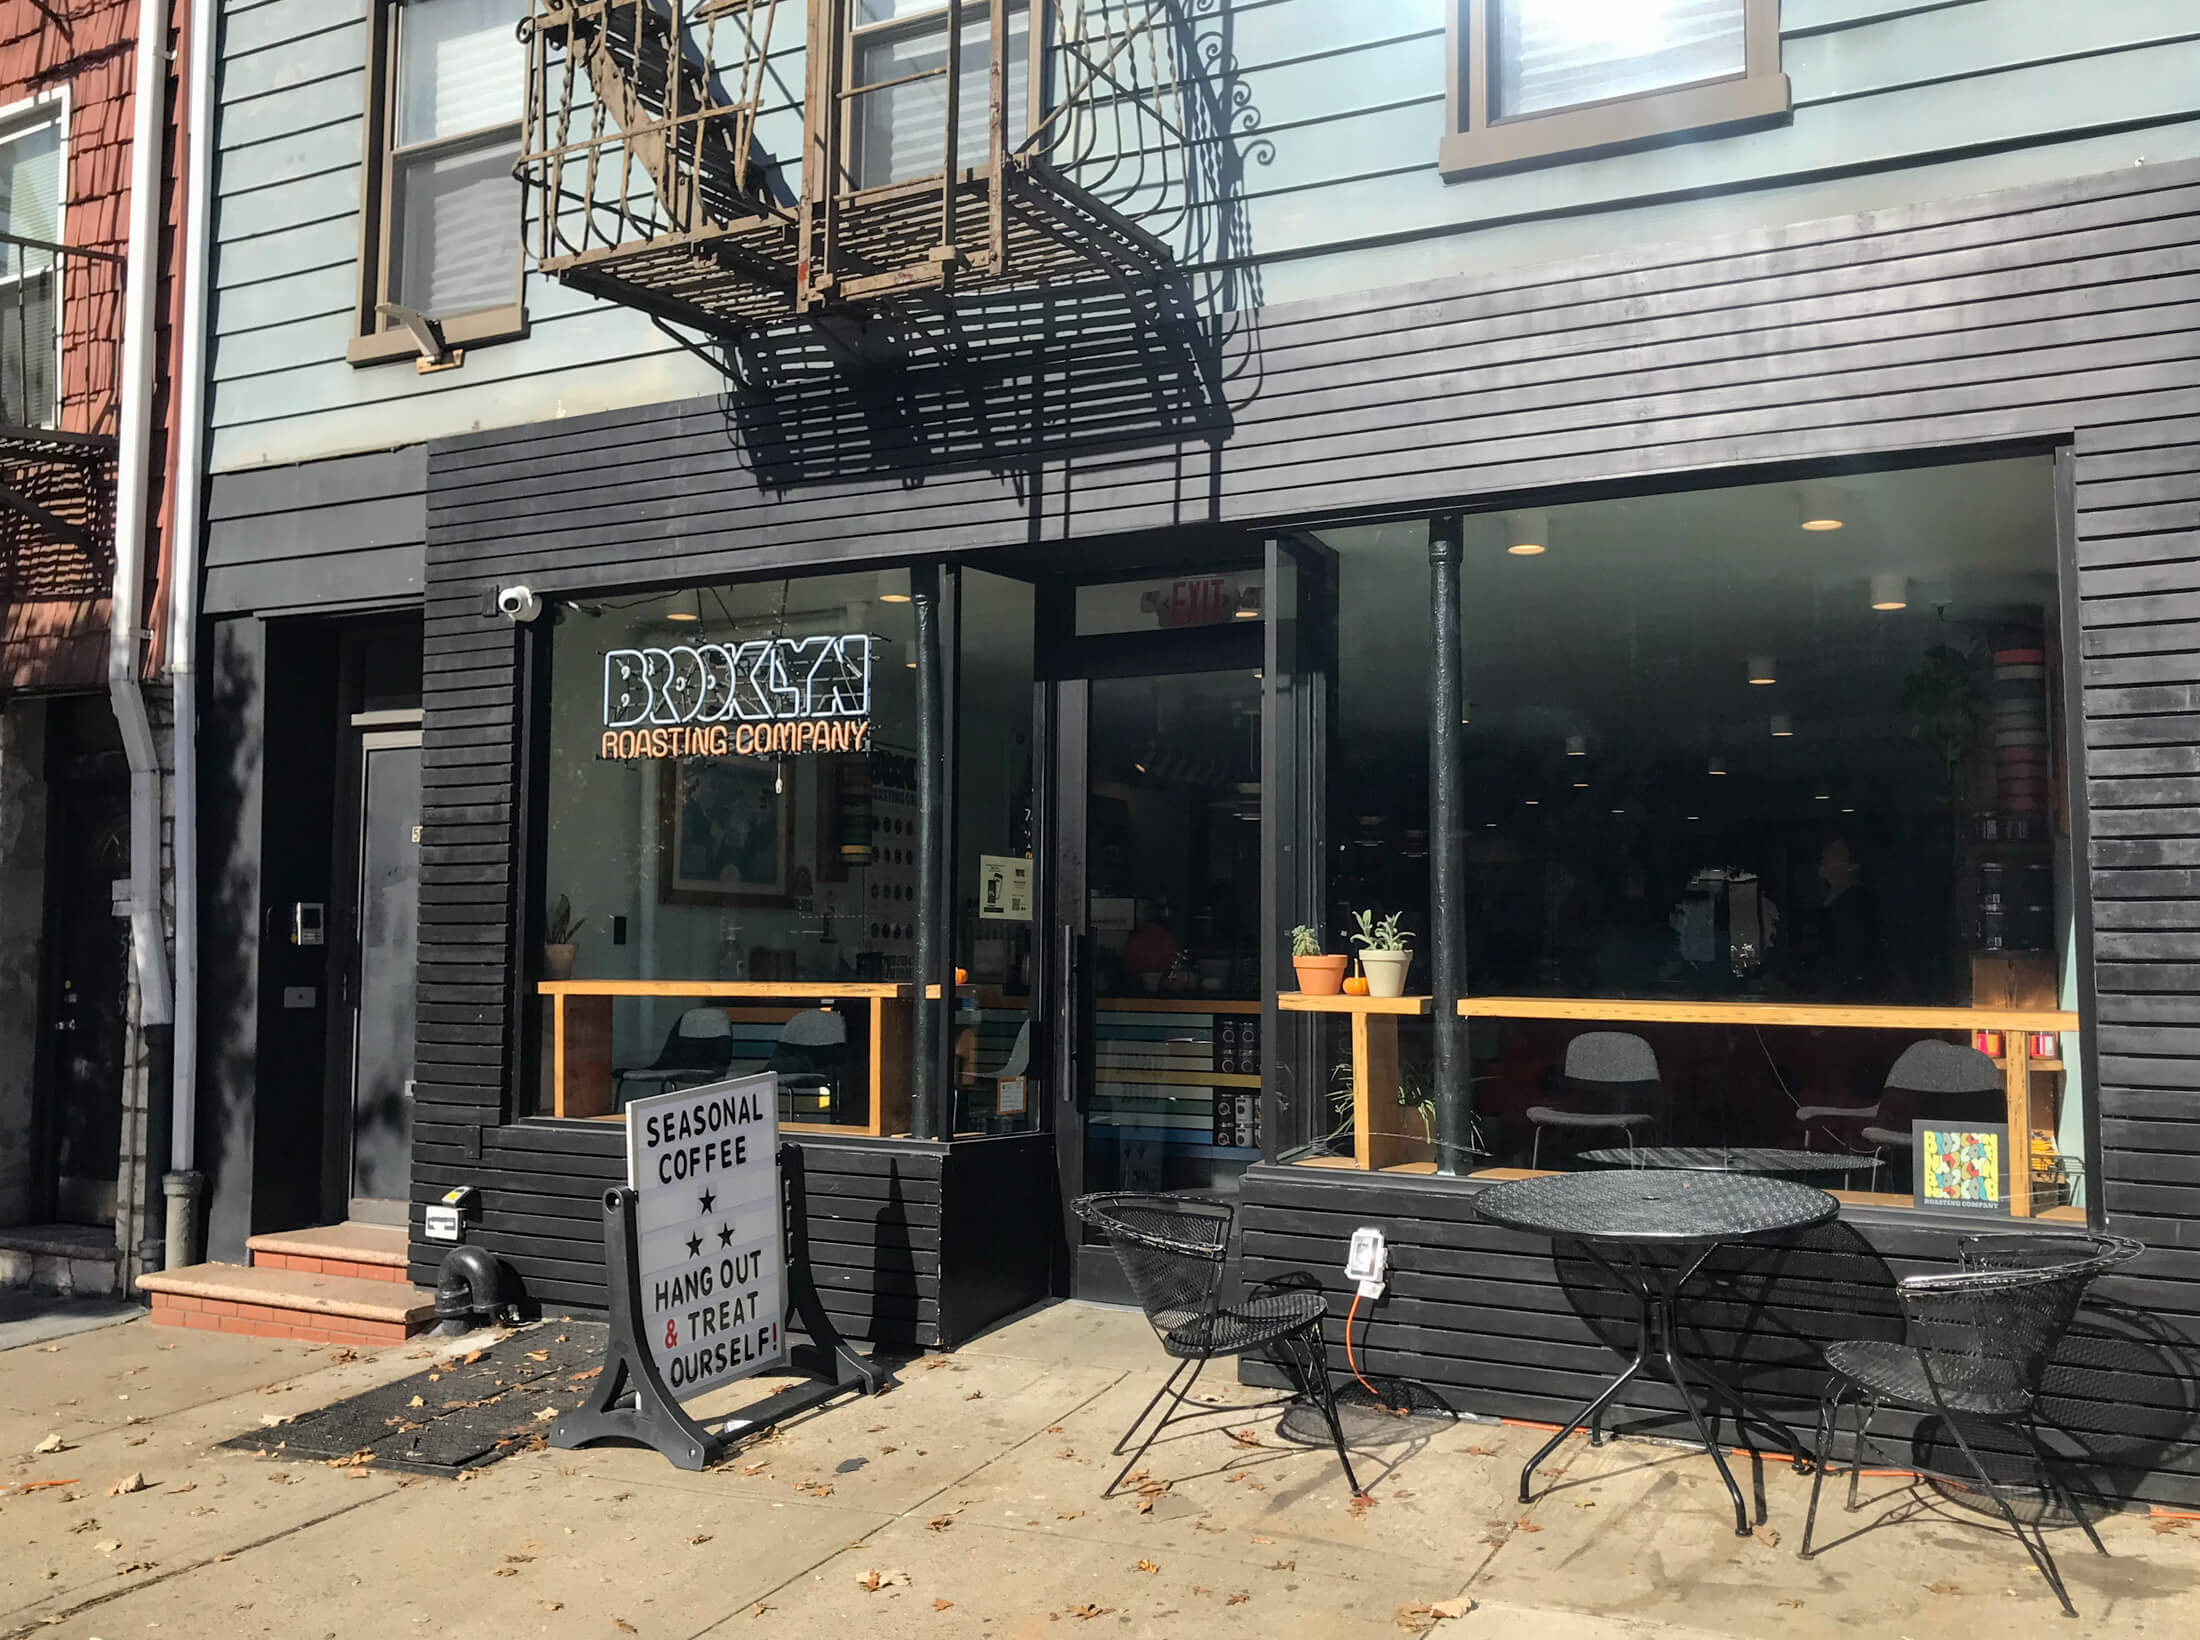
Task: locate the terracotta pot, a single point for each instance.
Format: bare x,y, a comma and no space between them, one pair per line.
557,961
1386,972
1320,976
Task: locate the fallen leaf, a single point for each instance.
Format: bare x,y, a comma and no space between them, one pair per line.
1481,1451
538,1355
1943,1588
2161,1524
52,1443
108,1546
700,1538
1792,1604
1054,1429
1768,1536
753,1468
1453,1608
416,1401
545,1414
1148,1566
469,1360
876,1580
1415,1619
583,1377
88,1524
1524,1524
507,1571
553,1605
942,1605
1070,1514
132,1482
759,1609
1244,1437
1088,1611
1362,1503
1257,1538
939,1523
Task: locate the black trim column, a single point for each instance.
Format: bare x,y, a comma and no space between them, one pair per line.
1446,697
924,592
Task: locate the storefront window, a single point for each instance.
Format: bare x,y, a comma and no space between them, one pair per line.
730,875
1797,746
999,1072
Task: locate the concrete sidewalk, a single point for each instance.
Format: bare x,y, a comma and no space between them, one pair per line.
969,1495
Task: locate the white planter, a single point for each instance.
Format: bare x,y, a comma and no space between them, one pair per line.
1386,972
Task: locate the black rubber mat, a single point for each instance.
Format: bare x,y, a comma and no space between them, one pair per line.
462,1414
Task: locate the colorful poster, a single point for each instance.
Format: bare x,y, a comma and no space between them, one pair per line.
1962,1167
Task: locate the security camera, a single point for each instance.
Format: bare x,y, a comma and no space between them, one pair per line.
518,603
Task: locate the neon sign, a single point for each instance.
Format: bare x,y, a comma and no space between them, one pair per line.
769,697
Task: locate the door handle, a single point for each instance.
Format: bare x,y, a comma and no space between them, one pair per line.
1068,1001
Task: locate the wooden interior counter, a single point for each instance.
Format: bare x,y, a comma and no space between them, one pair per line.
2014,1024
1375,1144
581,1075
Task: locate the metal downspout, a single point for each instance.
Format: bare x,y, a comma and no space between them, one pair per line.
184,1185
148,929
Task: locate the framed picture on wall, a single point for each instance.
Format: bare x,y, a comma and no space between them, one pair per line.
727,838
1962,1167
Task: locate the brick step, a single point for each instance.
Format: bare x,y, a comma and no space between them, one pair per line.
262,1302
367,1252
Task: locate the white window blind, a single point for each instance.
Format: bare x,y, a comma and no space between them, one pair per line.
455,206
30,208
1550,54
901,131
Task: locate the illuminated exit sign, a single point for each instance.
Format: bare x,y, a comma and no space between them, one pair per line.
769,697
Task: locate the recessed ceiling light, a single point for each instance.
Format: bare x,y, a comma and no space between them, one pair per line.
1526,533
1890,592
1762,671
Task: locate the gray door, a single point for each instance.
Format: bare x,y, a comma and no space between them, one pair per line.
387,922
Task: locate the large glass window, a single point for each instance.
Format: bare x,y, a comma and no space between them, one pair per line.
30,231
1547,54
1796,748
900,86
730,871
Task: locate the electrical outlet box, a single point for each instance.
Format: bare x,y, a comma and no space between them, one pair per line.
1368,1261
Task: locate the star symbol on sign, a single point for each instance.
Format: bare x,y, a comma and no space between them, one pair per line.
695,1246
710,1200
725,1235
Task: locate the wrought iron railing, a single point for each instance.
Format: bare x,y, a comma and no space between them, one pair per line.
60,339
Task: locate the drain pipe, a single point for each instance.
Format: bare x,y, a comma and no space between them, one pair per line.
184,1186
148,931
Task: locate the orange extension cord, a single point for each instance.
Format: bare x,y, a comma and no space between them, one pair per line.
1348,1360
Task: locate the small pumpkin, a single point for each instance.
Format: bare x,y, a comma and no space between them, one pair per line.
1355,985
962,976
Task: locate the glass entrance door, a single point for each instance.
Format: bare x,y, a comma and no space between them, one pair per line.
1162,912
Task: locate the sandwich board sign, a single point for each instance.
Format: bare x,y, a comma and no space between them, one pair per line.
697,1258
704,1167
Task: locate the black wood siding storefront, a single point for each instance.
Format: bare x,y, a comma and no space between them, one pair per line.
2061,316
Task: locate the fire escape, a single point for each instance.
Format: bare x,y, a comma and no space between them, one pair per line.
685,159
60,329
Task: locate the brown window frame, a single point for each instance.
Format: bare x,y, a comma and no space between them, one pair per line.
373,341
1474,143
858,36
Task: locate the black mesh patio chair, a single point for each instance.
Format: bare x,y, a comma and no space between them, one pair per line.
698,1050
1611,1086
1173,1250
1976,1344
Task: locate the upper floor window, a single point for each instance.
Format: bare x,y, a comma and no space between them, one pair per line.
898,66
443,209
30,260
1537,80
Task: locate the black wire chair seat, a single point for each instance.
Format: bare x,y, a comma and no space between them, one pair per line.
1175,1251
1977,1344
1239,1329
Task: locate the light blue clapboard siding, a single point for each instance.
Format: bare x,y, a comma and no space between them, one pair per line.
1333,116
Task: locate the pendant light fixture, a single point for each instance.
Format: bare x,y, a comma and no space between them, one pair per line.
1762,671
1822,792
1577,745
1716,766
1783,726
1527,534
1818,508
687,607
1890,591
893,586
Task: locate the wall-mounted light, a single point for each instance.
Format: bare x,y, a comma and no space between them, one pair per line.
1890,591
1527,533
687,607
1783,726
1577,745
1762,671
1818,508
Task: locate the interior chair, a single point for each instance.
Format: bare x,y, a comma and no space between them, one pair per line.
1018,1063
1938,1081
811,1056
1976,1344
1173,1250
698,1050
1609,1084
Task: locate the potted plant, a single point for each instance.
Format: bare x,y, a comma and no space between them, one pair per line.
1319,976
558,948
1384,953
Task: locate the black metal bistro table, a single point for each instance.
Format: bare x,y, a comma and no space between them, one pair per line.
1623,1217
1733,1159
